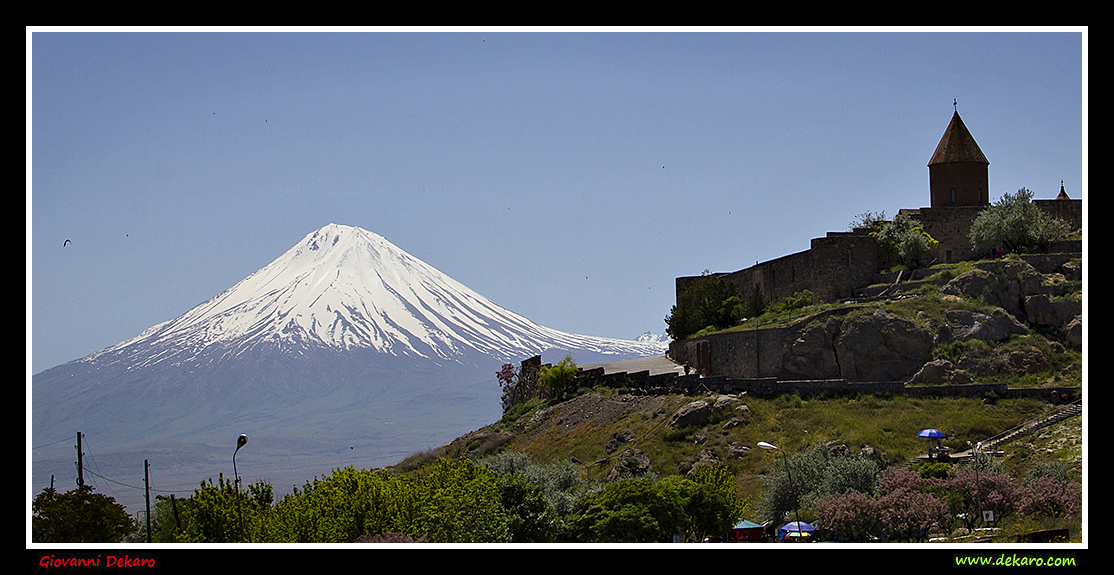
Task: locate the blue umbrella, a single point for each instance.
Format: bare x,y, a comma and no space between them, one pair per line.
931,433
792,526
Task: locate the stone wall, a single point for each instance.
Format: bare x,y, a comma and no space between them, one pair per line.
1071,211
843,261
837,264
668,383
950,227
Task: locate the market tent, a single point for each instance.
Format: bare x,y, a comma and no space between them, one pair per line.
746,531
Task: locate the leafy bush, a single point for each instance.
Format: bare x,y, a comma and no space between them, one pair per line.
707,301
559,482
640,510
556,379
934,470
973,490
794,302
848,517
78,516
905,510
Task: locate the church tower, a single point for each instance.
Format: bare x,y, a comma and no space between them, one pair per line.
957,172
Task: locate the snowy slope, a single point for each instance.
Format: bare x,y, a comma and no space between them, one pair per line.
344,287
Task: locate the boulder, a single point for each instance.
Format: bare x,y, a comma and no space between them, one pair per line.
1043,312
699,412
941,371
1074,333
630,463
1025,361
1072,270
734,422
737,450
881,346
619,439
996,325
695,413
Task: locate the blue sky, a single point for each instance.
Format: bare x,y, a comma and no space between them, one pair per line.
568,176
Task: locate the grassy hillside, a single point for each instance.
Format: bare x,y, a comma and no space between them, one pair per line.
597,426
885,426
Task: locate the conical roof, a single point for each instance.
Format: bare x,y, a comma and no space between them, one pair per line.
957,145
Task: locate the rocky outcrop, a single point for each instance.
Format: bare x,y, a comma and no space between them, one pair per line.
881,346
812,355
630,463
1042,311
1000,283
997,325
700,412
940,371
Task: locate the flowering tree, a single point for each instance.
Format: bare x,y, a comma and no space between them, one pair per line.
973,492
906,510
1050,497
849,516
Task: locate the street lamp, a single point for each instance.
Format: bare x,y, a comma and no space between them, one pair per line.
796,511
240,442
978,486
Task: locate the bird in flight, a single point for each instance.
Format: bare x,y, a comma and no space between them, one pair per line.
65,242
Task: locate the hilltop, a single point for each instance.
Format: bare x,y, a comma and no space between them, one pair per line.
614,430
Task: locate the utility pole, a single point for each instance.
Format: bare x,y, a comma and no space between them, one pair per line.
80,472
147,495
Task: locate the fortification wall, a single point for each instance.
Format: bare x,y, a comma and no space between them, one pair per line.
778,278
950,227
843,261
1070,211
672,383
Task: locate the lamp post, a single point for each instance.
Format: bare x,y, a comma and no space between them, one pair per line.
792,491
978,486
240,442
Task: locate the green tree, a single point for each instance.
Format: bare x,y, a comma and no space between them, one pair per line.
459,501
556,379
341,507
908,240
1015,224
78,516
816,473
756,302
874,222
720,479
212,514
626,511
640,510
794,302
707,302
530,517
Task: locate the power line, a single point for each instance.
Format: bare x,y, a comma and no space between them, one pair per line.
52,443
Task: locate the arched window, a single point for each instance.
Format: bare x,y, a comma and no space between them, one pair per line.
953,195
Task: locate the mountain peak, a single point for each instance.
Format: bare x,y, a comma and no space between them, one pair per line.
344,287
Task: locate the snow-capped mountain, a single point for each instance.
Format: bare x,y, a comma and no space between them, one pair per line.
345,339
660,340
343,287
